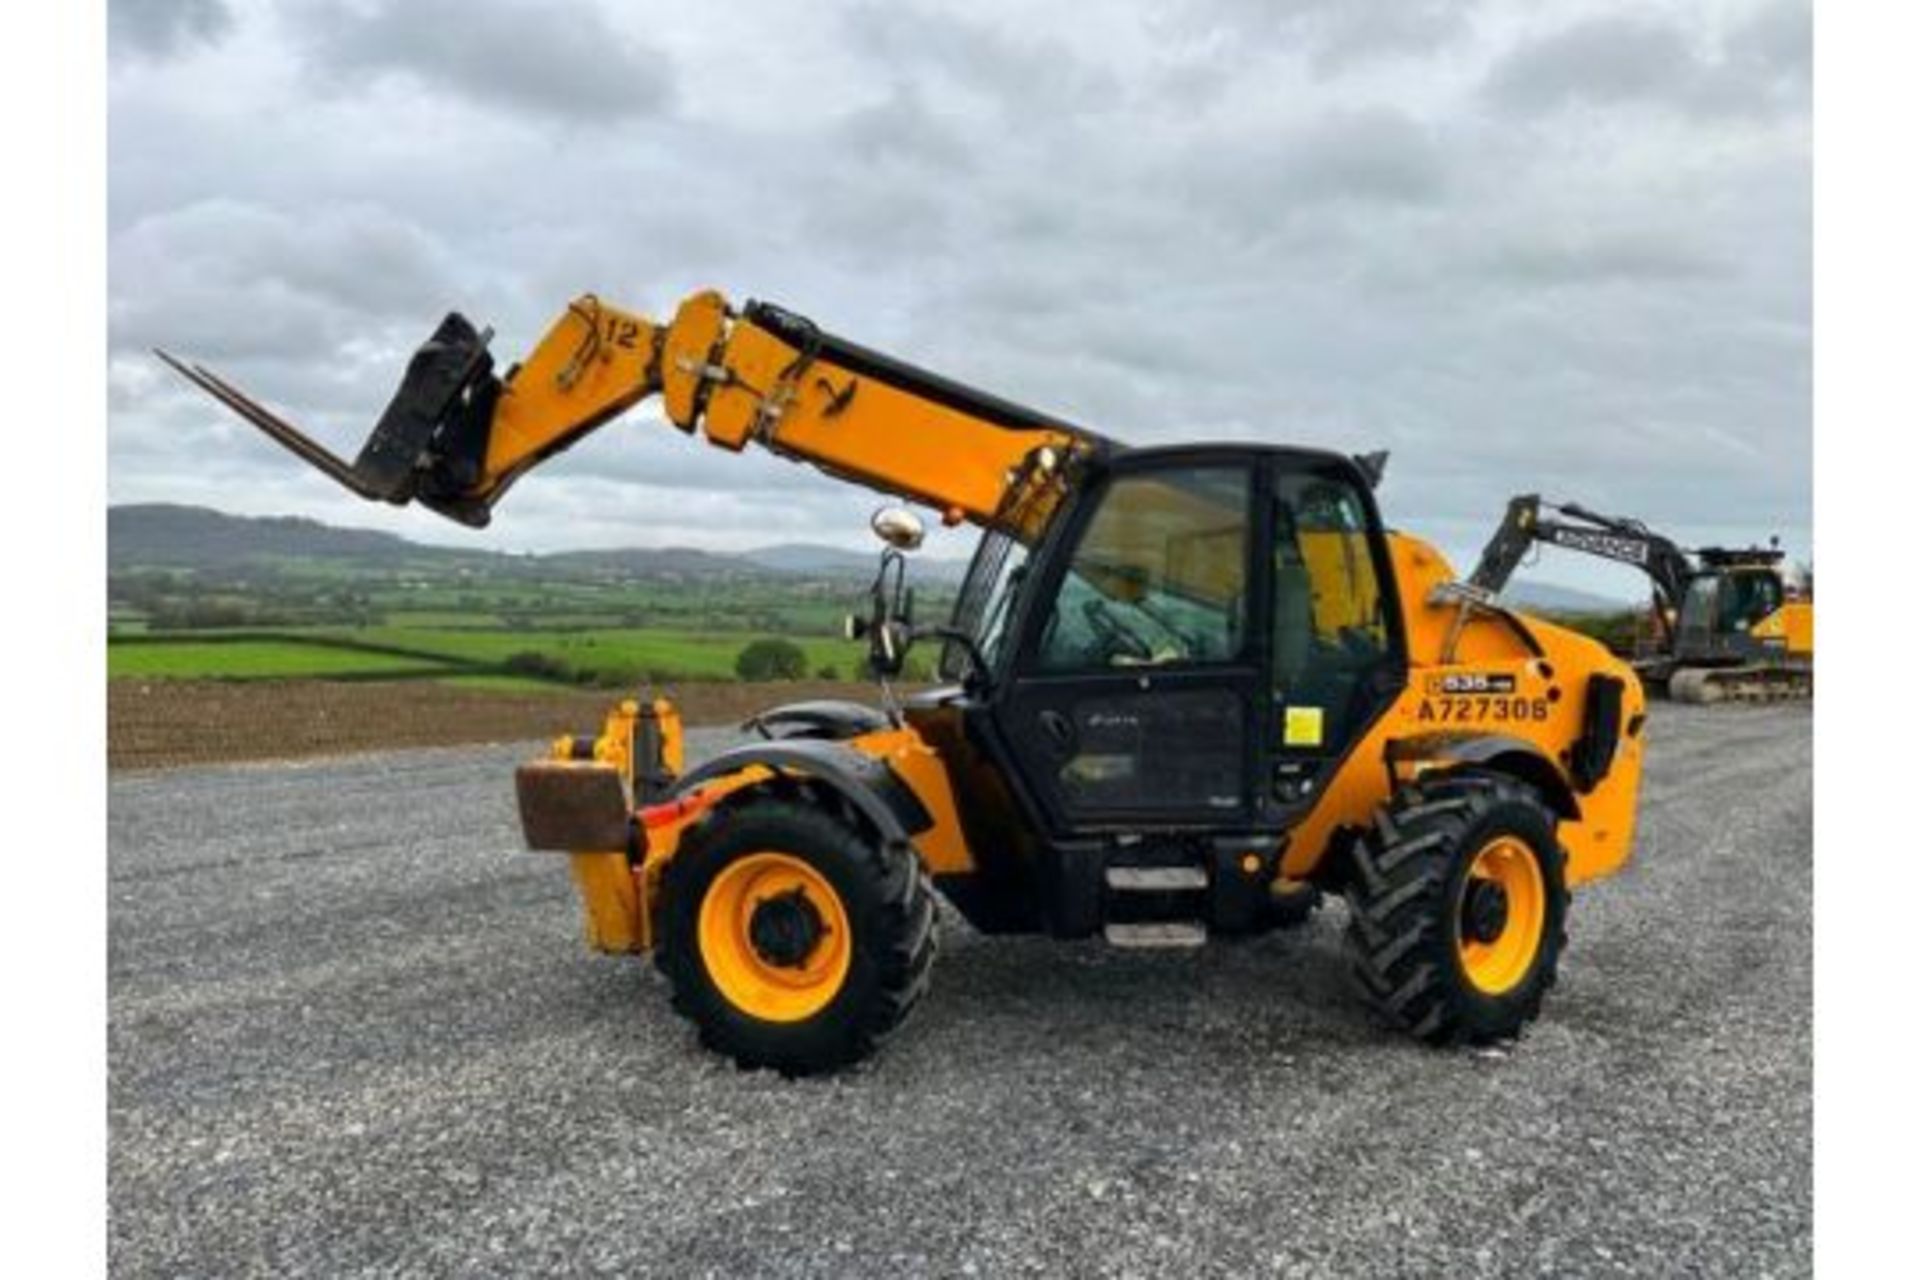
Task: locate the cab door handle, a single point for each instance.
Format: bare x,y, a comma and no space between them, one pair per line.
1057,728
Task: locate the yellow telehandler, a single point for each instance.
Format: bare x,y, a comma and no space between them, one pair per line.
1189,689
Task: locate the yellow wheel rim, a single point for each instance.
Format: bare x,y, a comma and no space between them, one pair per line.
1502,915
774,937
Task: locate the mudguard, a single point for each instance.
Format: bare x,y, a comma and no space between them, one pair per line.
868,784
830,718
1493,750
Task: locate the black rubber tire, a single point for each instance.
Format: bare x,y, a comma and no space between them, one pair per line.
1409,872
889,903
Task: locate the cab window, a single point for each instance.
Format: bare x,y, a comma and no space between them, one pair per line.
1751,596
1696,610
1158,577
1330,626
1328,614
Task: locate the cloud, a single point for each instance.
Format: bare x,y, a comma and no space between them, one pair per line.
228,279
1575,255
1352,226
1335,36
1760,65
1374,154
1600,60
163,28
1361,30
1777,38
563,62
1015,68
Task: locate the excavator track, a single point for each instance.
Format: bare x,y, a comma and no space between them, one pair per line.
1702,685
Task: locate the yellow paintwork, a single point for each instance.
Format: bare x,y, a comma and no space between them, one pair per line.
722,373
615,897
942,847
1597,843
1498,966
746,979
610,901
583,372
1791,622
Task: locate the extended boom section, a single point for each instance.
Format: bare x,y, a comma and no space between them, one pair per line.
456,435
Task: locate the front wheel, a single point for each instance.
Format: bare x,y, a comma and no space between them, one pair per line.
1459,905
792,939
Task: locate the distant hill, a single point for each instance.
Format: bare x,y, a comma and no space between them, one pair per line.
814,560
162,534
654,562
1547,598
809,557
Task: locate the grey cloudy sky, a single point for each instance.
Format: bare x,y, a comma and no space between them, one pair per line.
1552,246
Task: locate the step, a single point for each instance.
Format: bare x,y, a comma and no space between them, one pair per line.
1158,933
1156,879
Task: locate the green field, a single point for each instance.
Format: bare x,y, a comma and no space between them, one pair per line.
683,654
477,656
202,595
265,659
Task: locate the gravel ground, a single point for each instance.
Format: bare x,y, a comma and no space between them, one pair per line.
338,1049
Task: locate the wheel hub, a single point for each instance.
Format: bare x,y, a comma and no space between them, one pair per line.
1502,915
775,936
1483,915
785,928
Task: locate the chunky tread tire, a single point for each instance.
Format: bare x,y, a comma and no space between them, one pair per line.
890,904
1408,873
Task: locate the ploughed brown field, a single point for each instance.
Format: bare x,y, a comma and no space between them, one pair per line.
154,723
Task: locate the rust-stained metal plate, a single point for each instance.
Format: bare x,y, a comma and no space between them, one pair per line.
571,806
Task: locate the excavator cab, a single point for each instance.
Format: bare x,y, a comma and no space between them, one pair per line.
1726,606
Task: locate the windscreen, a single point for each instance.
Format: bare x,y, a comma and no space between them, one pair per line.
986,601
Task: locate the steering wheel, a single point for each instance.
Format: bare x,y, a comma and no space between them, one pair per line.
1116,641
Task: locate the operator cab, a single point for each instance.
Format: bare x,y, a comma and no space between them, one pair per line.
1193,643
1735,590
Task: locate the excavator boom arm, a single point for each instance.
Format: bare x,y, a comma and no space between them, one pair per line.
1626,541
456,436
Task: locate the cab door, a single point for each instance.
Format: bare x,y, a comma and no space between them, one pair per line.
1699,612
1336,657
1137,685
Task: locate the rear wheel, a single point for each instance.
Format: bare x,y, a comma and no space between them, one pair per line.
1459,906
791,938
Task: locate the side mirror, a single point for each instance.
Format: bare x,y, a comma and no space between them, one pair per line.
899,528
888,627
